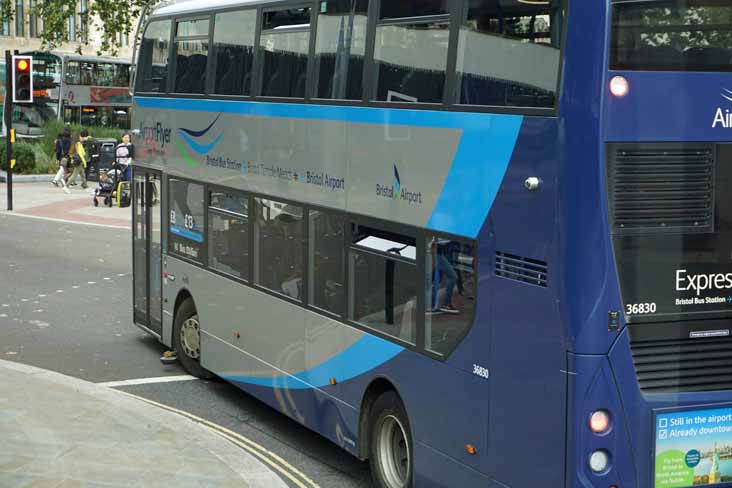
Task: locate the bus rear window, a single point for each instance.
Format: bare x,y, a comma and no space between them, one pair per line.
679,35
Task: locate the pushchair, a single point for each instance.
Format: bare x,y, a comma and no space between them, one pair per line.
106,189
122,188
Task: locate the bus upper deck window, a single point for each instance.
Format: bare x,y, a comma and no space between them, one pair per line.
509,57
284,44
153,60
340,48
234,51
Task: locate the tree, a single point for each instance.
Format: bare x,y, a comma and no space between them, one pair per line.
109,17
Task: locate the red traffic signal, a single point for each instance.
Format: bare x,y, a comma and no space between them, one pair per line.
22,64
22,79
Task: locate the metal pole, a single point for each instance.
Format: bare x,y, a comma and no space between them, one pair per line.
9,124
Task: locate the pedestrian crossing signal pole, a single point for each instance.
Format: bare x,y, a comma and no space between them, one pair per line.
9,132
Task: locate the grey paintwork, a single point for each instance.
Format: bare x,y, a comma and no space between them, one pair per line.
263,155
250,333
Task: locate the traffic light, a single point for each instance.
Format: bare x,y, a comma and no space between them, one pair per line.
22,79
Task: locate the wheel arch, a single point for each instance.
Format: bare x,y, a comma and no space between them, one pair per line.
183,295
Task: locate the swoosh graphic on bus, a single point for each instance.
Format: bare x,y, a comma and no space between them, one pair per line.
186,157
362,356
199,148
199,133
487,142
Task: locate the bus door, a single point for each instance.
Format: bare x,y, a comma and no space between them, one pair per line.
146,250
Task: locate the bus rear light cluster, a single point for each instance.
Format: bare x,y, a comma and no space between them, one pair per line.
600,421
599,461
619,86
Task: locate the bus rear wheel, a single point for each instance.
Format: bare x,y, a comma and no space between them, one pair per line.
390,450
187,339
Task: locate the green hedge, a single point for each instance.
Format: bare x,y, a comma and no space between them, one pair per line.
25,158
37,156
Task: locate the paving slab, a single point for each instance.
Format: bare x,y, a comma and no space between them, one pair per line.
45,201
60,432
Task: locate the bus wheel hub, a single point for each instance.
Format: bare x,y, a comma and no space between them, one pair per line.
190,338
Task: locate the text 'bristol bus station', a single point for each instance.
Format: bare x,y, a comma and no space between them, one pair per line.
469,243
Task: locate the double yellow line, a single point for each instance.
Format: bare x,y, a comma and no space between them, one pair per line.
297,477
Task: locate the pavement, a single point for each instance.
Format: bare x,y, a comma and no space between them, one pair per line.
43,200
62,432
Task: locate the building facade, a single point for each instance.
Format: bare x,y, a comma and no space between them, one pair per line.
23,31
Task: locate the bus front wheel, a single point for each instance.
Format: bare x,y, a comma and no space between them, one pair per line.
390,449
187,340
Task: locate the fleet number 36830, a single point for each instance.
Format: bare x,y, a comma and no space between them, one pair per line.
640,308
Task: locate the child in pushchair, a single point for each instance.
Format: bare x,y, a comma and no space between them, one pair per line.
105,189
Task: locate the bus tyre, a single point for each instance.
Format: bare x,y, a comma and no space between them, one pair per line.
390,438
187,340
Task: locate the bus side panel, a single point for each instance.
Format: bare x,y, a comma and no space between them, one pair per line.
527,358
435,470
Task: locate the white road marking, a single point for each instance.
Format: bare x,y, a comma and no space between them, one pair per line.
107,279
5,305
64,221
76,287
3,315
148,381
24,300
91,282
41,295
59,291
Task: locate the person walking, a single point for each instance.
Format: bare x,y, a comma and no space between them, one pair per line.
92,151
63,145
124,154
77,158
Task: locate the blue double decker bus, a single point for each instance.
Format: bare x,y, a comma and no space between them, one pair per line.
477,242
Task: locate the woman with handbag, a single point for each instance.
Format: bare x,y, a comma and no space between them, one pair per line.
77,159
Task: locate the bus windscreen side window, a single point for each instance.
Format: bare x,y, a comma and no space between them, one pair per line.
153,60
185,224
675,35
509,57
284,45
191,56
228,233
450,293
340,48
383,282
234,51
278,255
410,58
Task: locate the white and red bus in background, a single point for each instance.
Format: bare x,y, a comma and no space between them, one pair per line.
87,90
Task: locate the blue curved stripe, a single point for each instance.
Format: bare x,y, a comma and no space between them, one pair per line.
476,174
199,133
200,148
362,356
